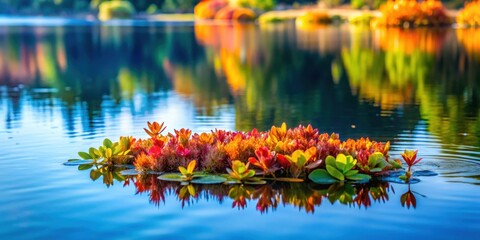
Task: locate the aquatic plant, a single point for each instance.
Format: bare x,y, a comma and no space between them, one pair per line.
470,15
338,169
280,154
376,163
240,173
297,163
110,152
410,158
265,160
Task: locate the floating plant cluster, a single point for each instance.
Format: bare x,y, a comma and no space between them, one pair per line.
234,157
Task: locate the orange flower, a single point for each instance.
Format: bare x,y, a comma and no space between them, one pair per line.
410,158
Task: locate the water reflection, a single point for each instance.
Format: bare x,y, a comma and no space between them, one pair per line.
341,79
305,196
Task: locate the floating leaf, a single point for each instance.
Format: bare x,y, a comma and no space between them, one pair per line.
255,182
129,172
293,180
175,177
76,162
321,176
209,179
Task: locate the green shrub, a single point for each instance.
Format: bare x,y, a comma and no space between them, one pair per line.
264,5
115,9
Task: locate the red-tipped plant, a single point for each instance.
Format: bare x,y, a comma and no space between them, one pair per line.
410,158
154,129
264,160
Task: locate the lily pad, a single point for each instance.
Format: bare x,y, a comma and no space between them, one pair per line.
77,162
285,179
174,177
129,172
255,182
209,179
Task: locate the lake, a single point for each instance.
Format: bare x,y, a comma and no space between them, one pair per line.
66,85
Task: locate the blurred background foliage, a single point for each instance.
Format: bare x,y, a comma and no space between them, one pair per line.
152,6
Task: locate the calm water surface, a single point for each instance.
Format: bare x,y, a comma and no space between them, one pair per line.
65,87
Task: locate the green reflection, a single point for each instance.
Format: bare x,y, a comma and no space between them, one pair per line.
350,80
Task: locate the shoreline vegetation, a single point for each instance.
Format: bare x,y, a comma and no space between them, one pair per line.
399,13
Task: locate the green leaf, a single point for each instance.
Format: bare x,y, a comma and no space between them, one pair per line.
350,163
335,173
84,155
376,170
107,143
85,167
395,164
174,177
341,162
330,161
94,175
351,173
76,162
91,151
250,174
285,179
375,159
101,149
209,179
359,177
301,160
118,177
321,176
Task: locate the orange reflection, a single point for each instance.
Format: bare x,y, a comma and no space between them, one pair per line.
409,41
470,39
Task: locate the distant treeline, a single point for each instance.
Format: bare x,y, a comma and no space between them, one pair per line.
79,6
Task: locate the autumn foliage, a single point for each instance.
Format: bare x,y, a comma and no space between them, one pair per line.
410,13
221,10
293,152
470,15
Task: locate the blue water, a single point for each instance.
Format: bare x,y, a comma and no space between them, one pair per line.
66,88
